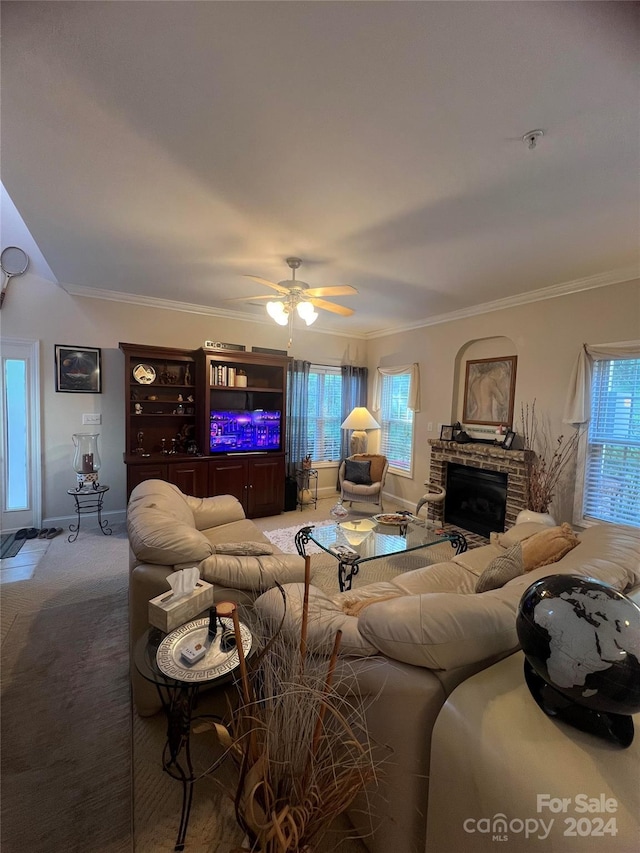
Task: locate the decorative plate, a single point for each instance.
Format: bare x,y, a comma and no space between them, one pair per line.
214,664
144,374
393,518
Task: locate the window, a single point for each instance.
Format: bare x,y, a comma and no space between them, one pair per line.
396,421
324,413
612,455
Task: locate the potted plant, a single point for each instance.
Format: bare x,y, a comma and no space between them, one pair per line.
546,462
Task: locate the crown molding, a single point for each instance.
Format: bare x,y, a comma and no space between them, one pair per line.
190,308
552,292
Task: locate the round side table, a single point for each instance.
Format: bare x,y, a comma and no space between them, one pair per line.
88,500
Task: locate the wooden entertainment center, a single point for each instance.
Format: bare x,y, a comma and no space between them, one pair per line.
170,395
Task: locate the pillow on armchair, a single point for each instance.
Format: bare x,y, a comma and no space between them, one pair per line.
358,472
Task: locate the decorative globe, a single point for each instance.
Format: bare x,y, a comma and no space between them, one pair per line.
582,637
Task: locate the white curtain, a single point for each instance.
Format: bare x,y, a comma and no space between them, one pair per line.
414,384
577,409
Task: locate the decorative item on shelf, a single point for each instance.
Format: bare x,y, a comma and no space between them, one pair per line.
446,432
138,408
163,446
296,737
144,374
220,345
241,379
579,637
509,438
86,460
187,376
546,462
140,451
457,429
359,421
306,462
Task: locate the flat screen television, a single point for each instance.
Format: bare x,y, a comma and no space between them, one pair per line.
232,431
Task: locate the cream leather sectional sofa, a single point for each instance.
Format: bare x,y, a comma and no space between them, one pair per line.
421,635
169,531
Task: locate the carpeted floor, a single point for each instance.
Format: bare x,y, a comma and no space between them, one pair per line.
80,772
66,716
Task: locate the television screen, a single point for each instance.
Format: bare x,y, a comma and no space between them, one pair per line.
235,431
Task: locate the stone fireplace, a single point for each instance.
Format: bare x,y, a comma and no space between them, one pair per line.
487,457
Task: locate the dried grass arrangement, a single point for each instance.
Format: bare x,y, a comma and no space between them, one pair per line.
548,462
300,743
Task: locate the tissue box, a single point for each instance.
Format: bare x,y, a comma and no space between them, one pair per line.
167,614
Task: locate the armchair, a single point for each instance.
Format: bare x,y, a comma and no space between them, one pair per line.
352,490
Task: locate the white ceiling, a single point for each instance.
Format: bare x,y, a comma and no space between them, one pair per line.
163,149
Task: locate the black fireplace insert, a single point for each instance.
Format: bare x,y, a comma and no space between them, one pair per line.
476,499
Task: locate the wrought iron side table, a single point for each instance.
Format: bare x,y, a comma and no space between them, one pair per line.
179,698
88,500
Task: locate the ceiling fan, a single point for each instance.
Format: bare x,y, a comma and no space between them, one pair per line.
296,294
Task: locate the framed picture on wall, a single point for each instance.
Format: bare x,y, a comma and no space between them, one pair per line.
78,369
489,389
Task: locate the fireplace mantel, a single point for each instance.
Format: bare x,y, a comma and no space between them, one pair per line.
478,455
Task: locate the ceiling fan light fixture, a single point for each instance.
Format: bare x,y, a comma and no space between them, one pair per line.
278,312
306,312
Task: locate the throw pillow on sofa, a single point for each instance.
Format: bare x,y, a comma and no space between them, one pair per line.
358,472
503,569
517,534
548,546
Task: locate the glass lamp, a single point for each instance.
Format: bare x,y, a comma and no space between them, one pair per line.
359,420
86,459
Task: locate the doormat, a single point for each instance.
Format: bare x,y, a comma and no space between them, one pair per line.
9,545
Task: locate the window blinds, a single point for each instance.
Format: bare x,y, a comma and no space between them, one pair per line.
396,421
612,479
324,407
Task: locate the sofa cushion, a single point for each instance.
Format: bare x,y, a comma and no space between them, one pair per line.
476,560
517,534
440,630
252,573
157,536
503,569
548,546
358,472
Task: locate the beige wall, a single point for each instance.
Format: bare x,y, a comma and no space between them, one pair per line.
39,310
546,337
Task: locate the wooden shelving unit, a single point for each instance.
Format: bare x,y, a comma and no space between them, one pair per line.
168,438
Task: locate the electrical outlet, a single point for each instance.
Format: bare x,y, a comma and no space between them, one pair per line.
91,419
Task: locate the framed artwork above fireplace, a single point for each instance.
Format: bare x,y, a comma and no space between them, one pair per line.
489,391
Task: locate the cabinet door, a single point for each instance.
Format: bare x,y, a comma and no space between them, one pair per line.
266,486
229,477
139,473
190,477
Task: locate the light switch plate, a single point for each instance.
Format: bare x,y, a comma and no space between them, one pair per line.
91,419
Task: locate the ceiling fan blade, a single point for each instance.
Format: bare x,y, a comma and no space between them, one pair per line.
268,283
330,306
336,290
250,298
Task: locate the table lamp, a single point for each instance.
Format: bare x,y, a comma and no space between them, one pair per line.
359,421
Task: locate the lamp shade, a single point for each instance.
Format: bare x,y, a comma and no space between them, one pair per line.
360,418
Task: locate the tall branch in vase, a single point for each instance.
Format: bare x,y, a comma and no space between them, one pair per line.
547,461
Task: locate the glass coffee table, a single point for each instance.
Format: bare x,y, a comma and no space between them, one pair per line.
355,542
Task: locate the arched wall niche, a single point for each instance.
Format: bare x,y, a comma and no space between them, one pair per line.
493,347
